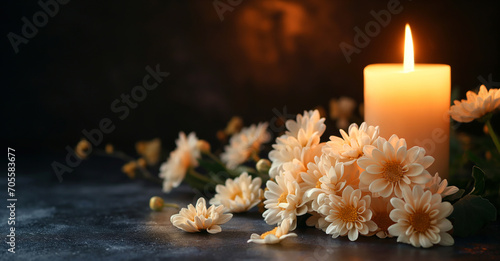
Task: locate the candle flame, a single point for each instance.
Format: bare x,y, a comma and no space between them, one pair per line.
409,62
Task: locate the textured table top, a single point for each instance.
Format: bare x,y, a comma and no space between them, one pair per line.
95,216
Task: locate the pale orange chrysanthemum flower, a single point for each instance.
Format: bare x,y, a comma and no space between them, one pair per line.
421,219
186,155
195,219
348,215
389,167
274,236
476,105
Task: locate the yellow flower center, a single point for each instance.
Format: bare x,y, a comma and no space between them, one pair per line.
237,193
421,221
272,232
282,198
318,184
393,171
348,214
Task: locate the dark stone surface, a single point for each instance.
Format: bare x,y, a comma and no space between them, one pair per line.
96,219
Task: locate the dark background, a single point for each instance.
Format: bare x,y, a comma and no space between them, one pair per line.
263,55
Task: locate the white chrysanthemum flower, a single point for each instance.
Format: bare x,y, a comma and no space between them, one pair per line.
186,155
421,219
307,126
348,215
243,144
350,146
389,167
238,195
326,177
438,186
381,209
283,200
304,132
293,169
274,236
193,219
476,105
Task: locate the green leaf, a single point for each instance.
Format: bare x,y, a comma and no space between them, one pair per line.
218,177
457,195
211,166
470,214
478,176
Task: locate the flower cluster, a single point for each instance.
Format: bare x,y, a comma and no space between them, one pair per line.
243,146
356,184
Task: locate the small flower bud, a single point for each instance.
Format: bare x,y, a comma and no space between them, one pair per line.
83,149
109,148
156,203
129,169
203,146
263,165
234,125
221,136
142,162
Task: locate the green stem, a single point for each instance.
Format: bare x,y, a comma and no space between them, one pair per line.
493,135
171,205
198,176
214,158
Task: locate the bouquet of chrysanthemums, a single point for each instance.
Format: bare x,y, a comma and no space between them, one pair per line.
357,184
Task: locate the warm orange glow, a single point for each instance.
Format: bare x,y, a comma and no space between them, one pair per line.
409,61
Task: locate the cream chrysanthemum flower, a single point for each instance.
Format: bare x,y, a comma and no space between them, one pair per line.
324,178
274,236
421,219
389,167
193,219
350,146
381,209
304,132
307,128
476,105
283,200
186,155
238,195
243,144
294,169
348,215
438,186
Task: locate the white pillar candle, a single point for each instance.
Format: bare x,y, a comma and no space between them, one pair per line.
411,101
